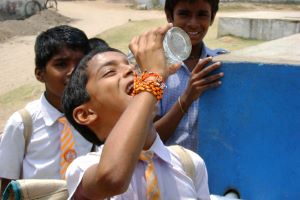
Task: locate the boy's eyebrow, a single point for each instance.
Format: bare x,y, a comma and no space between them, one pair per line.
110,62
107,63
60,57
188,10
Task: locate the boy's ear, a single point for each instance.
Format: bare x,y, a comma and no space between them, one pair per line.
84,115
169,17
39,75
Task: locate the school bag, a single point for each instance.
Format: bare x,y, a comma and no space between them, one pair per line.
36,189
33,188
27,121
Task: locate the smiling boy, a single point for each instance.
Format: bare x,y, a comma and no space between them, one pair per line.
178,111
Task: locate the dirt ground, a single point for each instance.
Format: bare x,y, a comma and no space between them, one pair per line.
17,37
32,25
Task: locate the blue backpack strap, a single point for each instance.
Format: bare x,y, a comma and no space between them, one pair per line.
12,191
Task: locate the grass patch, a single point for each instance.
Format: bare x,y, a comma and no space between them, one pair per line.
21,94
230,43
119,37
17,99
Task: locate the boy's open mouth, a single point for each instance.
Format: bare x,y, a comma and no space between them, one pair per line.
129,88
193,33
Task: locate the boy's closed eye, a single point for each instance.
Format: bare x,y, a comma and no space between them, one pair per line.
108,72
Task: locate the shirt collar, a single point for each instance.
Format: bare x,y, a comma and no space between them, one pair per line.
50,113
205,52
160,150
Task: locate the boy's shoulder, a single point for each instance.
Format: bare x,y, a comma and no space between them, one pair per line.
216,52
82,163
190,161
33,106
180,152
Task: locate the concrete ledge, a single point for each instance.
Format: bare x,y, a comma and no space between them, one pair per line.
260,25
281,51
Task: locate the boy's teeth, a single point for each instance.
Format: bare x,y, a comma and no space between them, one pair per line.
193,33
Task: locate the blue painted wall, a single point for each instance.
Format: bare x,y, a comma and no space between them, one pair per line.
250,131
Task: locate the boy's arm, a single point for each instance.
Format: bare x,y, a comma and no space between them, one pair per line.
12,147
122,147
199,82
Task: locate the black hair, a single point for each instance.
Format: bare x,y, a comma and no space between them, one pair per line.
97,43
75,94
170,5
51,41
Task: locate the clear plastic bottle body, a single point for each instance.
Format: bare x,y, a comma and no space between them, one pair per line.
177,47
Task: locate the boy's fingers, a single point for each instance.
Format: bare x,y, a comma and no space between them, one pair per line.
133,45
202,62
161,31
204,72
209,79
151,38
173,68
209,86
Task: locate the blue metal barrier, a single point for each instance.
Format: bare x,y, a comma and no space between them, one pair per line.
250,131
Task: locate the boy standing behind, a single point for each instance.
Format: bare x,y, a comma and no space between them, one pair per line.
57,51
133,163
178,110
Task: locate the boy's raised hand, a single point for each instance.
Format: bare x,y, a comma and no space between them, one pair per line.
200,81
149,54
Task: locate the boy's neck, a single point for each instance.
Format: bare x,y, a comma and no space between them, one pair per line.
150,139
194,57
54,102
196,51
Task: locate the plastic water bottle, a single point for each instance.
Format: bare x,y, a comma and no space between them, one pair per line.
177,47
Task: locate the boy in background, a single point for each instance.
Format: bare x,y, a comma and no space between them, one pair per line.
118,107
178,111
57,51
97,43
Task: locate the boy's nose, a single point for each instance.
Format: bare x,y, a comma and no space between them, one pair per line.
128,69
70,70
193,22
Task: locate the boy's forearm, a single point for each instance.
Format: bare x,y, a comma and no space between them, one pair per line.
122,149
168,123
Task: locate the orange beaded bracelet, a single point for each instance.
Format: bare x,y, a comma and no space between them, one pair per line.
155,87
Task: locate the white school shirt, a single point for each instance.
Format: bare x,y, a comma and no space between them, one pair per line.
43,153
173,182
